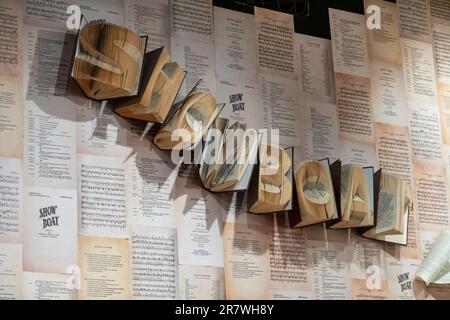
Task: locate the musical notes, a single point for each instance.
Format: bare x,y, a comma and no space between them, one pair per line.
154,262
102,200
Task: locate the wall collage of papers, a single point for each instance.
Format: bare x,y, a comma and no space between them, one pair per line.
88,210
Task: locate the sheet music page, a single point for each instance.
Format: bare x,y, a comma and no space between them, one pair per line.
102,208
440,11
275,42
150,189
415,19
315,69
201,283
199,226
279,107
246,261
444,112
235,43
105,268
11,22
154,262
47,286
349,43
425,131
150,18
401,279
394,150
432,195
192,20
441,41
354,105
53,13
11,271
11,200
50,229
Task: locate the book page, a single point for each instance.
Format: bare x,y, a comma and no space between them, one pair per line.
275,42
329,268
384,43
105,268
192,20
50,229
432,194
150,189
154,262
11,271
246,262
367,269
242,102
201,283
199,227
102,208
415,22
389,96
441,41
101,132
435,268
47,286
444,112
401,279
425,132
11,117
279,107
50,143
349,43
321,133
315,73
197,58
234,207
354,105
394,150
235,45
358,153
419,71
11,200
150,18
46,71
53,13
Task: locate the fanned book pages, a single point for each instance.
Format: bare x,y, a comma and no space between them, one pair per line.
394,204
271,187
161,80
435,268
356,197
315,194
108,61
228,157
195,115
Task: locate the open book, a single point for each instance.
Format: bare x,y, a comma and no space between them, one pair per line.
194,115
394,204
271,187
435,268
108,61
356,190
160,83
228,157
315,194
